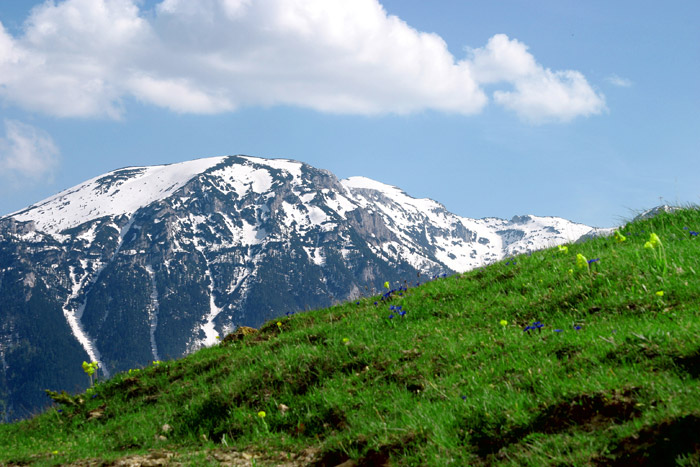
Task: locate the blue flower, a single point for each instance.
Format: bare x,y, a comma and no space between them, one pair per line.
464,398
595,260
402,313
577,328
375,303
693,233
357,303
391,316
527,329
557,330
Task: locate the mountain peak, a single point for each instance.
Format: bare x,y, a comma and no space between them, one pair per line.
120,192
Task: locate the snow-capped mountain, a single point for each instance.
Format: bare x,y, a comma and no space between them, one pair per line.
148,263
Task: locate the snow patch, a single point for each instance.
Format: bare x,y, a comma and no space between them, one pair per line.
241,179
121,192
153,312
315,255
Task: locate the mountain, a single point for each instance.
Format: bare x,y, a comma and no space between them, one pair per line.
151,263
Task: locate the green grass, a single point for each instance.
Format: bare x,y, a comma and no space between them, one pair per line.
446,384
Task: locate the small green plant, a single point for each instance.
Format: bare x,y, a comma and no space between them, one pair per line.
657,248
89,369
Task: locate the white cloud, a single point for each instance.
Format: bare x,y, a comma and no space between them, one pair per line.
539,94
26,152
619,81
83,57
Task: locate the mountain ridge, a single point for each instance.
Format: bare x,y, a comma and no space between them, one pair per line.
144,263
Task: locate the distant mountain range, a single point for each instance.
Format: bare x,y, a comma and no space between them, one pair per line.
150,263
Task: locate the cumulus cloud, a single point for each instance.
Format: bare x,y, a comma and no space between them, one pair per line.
539,94
84,57
26,152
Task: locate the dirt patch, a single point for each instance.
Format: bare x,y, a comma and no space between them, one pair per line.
374,457
690,363
585,412
225,457
659,444
238,334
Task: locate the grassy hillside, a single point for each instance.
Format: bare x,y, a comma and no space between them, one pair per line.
542,359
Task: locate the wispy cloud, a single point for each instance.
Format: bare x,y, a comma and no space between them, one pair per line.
618,81
26,153
83,57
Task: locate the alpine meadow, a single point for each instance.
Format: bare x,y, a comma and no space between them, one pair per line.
582,354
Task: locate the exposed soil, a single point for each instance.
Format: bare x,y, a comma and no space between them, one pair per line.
222,457
690,363
585,412
658,444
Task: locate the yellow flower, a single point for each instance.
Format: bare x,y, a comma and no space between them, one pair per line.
619,237
660,293
386,285
261,414
503,322
571,271
89,368
581,261
345,339
563,248
654,240
55,453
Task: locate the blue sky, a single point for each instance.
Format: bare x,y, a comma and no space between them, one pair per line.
584,110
